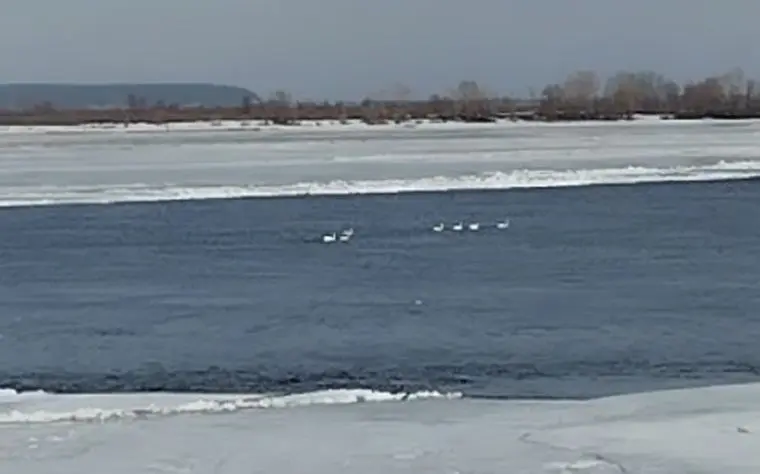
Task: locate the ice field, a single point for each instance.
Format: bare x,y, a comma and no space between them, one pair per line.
196,161
710,430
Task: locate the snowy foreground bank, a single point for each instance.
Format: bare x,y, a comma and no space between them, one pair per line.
708,430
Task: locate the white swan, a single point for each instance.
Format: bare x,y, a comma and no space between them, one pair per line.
346,235
327,238
474,226
457,227
438,227
502,225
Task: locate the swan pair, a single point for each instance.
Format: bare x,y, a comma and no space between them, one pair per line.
344,236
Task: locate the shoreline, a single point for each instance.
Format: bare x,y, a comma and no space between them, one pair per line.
517,180
354,125
373,194
369,116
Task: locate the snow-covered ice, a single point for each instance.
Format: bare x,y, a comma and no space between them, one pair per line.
703,430
199,161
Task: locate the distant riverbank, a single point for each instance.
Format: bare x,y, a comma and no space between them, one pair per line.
582,96
298,117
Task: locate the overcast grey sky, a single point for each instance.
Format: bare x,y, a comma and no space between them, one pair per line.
351,48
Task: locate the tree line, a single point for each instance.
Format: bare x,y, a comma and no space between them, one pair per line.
728,94
582,95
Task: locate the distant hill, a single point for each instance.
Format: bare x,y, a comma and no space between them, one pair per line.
69,96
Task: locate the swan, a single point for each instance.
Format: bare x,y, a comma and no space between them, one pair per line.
327,238
438,227
346,235
502,225
474,226
458,226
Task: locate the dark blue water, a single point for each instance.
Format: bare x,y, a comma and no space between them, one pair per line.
592,291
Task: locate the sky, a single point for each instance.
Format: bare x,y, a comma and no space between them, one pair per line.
350,49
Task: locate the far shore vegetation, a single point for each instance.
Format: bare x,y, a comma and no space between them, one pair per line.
583,95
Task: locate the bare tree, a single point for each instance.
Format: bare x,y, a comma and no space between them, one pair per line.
733,82
468,98
672,93
553,93
470,90
704,97
749,93
279,107
552,100
281,98
639,91
581,88
734,86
